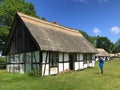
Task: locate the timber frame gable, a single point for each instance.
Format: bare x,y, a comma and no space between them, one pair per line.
21,39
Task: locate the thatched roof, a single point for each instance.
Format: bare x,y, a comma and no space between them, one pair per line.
54,37
102,52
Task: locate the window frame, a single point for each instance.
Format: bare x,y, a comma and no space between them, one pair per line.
85,58
89,58
53,59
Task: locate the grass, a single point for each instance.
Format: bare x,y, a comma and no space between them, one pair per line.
89,79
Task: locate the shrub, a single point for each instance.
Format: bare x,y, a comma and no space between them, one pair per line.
34,73
2,62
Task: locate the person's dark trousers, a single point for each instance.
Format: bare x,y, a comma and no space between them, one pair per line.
101,68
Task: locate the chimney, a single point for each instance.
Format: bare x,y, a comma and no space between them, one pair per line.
56,23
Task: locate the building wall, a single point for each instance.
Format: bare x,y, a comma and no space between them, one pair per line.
63,64
79,64
24,62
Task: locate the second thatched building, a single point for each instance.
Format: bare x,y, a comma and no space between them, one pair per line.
102,53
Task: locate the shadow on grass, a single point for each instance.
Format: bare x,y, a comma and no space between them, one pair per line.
97,73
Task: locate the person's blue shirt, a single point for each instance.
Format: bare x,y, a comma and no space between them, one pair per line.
101,62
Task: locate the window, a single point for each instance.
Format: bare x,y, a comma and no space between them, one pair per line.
73,57
54,58
80,57
89,57
85,58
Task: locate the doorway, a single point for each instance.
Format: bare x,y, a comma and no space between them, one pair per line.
72,59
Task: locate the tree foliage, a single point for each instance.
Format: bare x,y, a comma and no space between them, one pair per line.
116,48
89,38
100,42
105,43
8,8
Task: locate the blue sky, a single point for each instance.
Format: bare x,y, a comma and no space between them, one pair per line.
96,17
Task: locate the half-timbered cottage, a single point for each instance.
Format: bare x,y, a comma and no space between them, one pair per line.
35,44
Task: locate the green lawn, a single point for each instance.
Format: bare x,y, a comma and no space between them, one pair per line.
89,79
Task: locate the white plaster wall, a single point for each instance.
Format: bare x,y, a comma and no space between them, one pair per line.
54,70
91,64
60,67
44,57
16,68
7,68
81,65
93,60
11,68
22,68
77,65
85,66
66,66
46,69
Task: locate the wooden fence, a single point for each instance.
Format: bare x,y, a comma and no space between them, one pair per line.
2,65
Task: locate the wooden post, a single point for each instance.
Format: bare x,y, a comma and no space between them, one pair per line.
35,60
63,61
31,60
40,62
45,63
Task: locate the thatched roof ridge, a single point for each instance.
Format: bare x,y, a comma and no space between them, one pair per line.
54,37
38,21
102,52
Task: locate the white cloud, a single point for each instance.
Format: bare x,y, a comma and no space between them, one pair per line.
96,31
102,1
86,1
115,30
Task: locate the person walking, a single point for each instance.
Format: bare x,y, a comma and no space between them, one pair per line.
101,64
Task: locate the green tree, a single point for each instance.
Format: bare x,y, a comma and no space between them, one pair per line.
89,38
116,48
8,8
105,43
